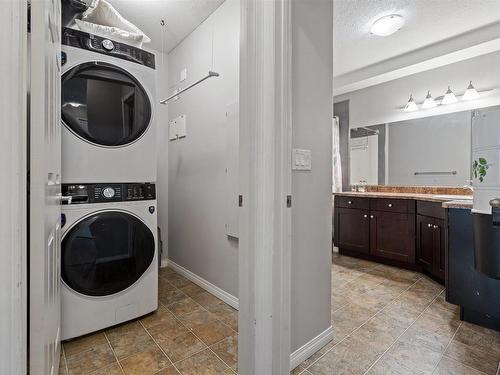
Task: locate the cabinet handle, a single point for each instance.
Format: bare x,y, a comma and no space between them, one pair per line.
365,216
349,202
436,226
371,216
429,225
389,205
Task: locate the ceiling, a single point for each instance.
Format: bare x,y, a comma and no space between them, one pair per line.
426,22
181,18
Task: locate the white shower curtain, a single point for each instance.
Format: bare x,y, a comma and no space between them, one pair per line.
336,165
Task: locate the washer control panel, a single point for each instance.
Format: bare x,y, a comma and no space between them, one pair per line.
102,193
95,43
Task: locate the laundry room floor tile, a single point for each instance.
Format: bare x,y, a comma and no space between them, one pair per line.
227,350
147,362
113,369
178,332
90,360
181,347
81,344
204,363
128,339
183,307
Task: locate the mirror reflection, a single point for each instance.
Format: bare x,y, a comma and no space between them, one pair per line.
431,151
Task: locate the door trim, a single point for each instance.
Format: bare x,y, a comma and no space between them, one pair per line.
13,151
265,178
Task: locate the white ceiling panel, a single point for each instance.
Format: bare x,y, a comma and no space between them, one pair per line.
426,22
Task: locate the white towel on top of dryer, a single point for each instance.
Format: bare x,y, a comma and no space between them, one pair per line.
106,21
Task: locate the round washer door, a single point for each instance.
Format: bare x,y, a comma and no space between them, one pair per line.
104,104
105,253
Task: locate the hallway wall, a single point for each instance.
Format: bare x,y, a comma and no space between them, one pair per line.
199,190
312,65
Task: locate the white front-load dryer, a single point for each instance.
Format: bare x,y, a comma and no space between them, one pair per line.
107,109
109,264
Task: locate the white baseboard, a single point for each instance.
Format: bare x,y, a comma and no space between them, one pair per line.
311,347
208,286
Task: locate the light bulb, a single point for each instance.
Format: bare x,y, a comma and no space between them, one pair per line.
429,101
411,105
471,93
387,25
449,97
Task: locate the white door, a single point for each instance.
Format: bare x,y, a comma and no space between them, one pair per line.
44,187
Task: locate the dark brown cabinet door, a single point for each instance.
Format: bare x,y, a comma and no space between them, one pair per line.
353,230
392,236
425,241
439,248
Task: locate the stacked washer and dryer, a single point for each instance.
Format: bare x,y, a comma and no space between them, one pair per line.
109,260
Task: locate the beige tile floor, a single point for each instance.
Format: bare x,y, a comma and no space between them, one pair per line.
389,321
386,321
192,332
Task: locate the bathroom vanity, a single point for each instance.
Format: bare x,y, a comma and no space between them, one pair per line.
407,230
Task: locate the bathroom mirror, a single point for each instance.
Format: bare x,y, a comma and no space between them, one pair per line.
430,151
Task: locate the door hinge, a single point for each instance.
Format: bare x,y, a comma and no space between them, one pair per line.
240,200
289,201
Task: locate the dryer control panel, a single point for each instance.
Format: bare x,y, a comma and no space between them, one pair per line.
95,43
103,193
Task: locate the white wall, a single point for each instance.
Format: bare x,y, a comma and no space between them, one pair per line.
382,103
312,54
197,185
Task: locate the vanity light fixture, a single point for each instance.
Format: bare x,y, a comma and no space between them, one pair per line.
471,93
411,105
449,97
429,101
387,25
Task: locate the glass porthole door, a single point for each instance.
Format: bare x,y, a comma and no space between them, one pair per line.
104,104
105,253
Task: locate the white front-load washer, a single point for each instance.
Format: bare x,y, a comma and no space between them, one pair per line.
109,260
108,103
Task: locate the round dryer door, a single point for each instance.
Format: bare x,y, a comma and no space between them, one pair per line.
104,104
105,253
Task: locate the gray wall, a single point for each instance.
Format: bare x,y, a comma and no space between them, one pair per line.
197,183
312,200
431,144
162,148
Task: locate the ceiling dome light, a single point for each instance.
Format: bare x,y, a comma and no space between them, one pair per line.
387,25
449,97
429,101
411,105
471,92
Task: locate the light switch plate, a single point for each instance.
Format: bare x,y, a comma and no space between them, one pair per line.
301,160
177,128
184,74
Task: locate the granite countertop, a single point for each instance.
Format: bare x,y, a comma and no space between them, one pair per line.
459,202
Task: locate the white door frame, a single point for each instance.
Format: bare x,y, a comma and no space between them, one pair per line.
13,193
265,178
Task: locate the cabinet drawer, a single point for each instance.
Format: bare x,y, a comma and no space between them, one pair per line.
352,202
389,205
431,209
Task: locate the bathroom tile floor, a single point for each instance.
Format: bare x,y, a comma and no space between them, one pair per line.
386,321
389,321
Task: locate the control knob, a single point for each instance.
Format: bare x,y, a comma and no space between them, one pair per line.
108,45
108,192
